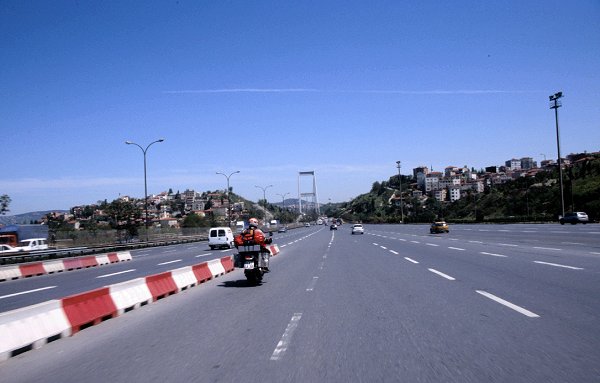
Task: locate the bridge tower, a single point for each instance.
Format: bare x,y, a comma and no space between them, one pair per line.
312,195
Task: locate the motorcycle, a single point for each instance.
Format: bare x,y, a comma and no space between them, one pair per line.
254,259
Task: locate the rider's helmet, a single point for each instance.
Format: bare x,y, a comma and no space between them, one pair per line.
253,222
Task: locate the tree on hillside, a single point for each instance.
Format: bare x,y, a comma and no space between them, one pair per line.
255,212
194,220
124,216
285,216
4,202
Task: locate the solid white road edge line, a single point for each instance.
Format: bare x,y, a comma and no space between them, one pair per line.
286,338
518,309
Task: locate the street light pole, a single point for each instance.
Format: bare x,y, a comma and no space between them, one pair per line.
264,189
145,179
555,104
401,200
283,199
283,202
228,202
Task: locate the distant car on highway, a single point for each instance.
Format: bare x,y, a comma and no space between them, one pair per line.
333,227
32,244
439,227
5,249
282,229
220,237
357,228
574,218
307,224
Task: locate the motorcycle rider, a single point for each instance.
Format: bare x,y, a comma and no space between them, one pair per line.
254,236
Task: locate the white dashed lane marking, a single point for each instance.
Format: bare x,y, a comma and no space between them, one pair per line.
558,265
168,263
286,339
113,274
518,309
442,274
27,292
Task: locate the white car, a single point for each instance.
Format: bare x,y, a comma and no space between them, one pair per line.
32,244
574,218
357,228
7,249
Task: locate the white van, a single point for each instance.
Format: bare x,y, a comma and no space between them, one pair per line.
220,237
32,244
240,226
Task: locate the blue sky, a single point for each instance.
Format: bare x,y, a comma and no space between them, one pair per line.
270,88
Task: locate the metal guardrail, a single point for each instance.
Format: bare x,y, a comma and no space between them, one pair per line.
39,255
158,240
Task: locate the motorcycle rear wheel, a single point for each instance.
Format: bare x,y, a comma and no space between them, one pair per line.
254,276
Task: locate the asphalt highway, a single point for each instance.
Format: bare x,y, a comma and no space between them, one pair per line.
497,303
28,291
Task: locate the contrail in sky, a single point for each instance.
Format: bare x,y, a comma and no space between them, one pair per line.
373,91
244,90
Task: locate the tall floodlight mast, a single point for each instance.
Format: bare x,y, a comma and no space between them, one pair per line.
555,103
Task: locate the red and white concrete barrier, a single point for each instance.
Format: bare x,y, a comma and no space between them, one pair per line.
31,269
274,249
33,326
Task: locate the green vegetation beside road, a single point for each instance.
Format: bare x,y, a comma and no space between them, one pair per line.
526,199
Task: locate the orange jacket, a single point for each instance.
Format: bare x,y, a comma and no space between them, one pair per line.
250,236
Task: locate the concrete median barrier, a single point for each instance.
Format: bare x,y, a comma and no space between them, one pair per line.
53,266
33,326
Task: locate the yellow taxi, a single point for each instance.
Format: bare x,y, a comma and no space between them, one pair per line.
439,227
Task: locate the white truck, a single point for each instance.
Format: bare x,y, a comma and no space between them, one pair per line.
240,226
32,244
274,225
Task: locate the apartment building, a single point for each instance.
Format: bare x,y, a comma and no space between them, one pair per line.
513,164
528,163
420,173
455,193
432,181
